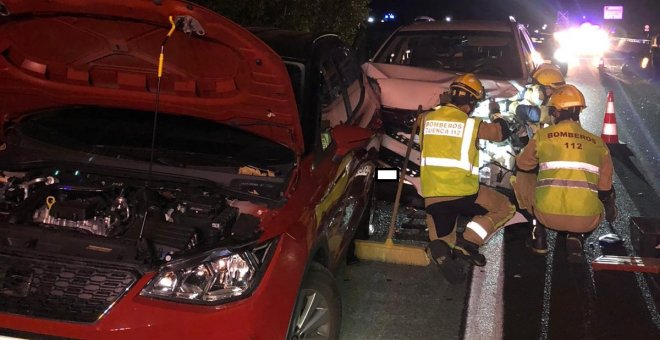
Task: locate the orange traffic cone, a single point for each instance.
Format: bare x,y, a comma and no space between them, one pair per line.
609,134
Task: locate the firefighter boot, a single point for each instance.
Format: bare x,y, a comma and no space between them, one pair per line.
611,212
468,251
538,242
574,247
440,253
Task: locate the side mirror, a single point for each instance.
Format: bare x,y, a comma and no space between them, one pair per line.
348,137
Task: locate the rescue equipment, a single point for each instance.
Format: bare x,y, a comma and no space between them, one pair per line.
627,264
388,251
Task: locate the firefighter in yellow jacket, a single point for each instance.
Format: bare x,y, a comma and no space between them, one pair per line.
450,178
529,106
572,190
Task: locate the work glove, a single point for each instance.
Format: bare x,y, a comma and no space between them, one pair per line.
494,110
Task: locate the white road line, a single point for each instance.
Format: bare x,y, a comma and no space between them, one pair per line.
485,309
551,238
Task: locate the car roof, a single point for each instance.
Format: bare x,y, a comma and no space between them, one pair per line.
466,25
287,43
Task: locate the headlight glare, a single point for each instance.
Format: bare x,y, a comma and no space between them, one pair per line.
214,277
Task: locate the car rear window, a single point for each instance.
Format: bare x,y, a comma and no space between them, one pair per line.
481,52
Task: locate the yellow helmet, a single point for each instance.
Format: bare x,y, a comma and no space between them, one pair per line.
548,76
468,84
566,97
546,66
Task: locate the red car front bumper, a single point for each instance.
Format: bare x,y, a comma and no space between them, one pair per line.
263,315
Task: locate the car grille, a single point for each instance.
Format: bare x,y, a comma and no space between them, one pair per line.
60,289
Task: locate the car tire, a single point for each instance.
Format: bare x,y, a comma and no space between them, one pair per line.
317,312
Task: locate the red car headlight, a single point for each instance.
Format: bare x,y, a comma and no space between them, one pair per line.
214,277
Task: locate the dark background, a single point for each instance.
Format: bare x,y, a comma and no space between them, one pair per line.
636,13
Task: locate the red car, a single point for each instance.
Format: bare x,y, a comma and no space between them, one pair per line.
213,200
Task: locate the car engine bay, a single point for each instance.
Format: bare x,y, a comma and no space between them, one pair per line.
112,218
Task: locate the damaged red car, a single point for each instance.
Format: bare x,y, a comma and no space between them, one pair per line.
212,200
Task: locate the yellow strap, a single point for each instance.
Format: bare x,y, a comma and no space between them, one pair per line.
172,28
161,57
160,65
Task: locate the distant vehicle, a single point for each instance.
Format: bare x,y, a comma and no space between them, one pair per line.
641,57
546,45
584,41
416,64
654,53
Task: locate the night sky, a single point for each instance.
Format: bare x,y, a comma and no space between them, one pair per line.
535,12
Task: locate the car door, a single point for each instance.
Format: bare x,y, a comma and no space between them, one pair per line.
342,93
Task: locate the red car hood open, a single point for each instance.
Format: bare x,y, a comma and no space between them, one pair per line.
76,52
406,87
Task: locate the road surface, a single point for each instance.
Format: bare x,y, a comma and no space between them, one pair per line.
522,296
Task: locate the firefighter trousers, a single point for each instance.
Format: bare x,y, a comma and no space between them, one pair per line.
524,186
489,210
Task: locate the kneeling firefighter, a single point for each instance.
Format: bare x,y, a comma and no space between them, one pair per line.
530,105
450,177
572,190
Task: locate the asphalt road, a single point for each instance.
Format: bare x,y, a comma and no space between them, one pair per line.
522,296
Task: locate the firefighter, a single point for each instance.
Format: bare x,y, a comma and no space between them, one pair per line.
572,186
450,178
529,105
530,108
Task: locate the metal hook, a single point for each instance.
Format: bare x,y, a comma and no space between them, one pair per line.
190,25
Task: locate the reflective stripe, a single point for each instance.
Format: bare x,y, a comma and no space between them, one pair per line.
447,163
569,165
464,162
467,139
566,183
478,229
609,129
609,108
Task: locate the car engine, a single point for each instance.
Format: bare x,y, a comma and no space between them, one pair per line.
164,217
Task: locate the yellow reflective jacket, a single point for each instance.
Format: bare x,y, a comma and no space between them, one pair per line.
569,168
450,158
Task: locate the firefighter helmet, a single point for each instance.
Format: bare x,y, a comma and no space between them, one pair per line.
549,76
544,66
467,84
566,97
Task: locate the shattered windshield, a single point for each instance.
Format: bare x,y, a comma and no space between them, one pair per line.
481,52
181,141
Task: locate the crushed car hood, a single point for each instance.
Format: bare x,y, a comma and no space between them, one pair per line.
56,53
406,87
